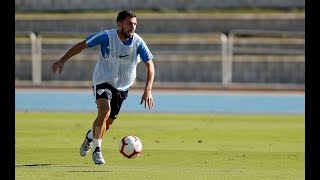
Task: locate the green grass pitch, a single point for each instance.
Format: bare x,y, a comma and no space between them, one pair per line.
175,146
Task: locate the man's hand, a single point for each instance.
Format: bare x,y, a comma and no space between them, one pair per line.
147,99
76,49
57,65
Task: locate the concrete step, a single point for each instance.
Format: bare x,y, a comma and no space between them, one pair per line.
170,23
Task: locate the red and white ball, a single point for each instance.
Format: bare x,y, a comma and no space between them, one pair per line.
130,146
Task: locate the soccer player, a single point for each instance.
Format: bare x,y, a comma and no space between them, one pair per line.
121,50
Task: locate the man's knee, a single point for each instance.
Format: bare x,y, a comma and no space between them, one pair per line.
104,111
103,108
109,123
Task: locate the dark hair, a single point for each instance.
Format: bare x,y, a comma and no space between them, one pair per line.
124,14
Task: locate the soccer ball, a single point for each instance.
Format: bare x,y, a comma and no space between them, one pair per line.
130,146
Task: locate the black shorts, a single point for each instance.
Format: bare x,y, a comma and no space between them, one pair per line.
116,97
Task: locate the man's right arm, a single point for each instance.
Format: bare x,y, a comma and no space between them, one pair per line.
76,49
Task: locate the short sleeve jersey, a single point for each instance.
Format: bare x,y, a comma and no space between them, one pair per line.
101,38
118,60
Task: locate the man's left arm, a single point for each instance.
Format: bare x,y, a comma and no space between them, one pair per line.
147,98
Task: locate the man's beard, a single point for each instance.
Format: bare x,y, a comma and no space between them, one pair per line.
126,35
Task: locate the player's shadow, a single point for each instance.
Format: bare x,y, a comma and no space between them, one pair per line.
84,171
31,165
57,165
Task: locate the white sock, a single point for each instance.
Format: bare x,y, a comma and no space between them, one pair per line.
90,135
96,143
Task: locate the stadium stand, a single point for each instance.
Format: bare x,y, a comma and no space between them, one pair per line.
191,49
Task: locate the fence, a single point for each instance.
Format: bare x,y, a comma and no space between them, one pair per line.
246,57
283,51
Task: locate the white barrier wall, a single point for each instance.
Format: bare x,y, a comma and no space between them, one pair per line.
54,5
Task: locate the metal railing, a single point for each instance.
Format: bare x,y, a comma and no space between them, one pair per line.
227,47
241,33
35,54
